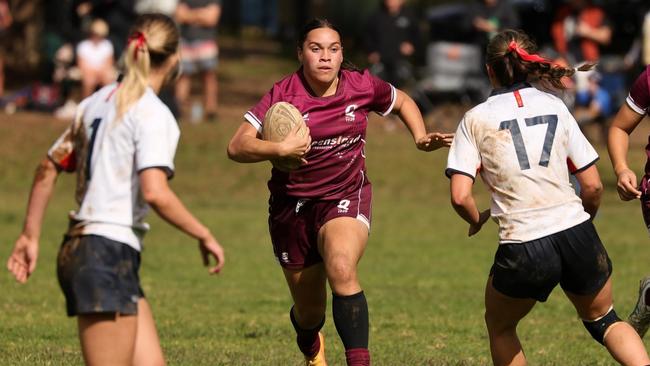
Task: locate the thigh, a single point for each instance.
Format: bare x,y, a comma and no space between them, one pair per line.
594,305
502,311
527,270
147,345
341,243
107,339
585,263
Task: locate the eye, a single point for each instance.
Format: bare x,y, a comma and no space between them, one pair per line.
334,49
315,49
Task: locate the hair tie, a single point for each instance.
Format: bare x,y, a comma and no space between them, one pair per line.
140,42
513,46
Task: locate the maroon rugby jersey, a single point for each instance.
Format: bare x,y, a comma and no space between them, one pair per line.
337,123
639,101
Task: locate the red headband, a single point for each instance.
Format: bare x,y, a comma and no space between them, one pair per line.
513,46
140,40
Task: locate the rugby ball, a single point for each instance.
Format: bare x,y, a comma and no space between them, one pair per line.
279,120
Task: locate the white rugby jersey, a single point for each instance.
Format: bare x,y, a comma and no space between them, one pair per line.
108,154
524,142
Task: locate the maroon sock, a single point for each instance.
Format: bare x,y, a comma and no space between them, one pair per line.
357,357
307,339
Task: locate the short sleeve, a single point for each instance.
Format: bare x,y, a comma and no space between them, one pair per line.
156,139
464,157
62,152
384,95
581,155
255,116
639,97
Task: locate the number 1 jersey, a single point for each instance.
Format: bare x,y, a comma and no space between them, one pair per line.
108,155
524,142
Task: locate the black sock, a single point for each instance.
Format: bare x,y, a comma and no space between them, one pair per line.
351,319
307,339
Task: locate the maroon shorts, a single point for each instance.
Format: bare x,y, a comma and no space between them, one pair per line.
645,199
294,223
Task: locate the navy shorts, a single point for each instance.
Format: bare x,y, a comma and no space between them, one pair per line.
294,223
575,258
98,275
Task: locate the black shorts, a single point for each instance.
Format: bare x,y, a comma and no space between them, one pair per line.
99,275
575,258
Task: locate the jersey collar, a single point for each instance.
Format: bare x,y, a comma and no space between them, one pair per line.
510,89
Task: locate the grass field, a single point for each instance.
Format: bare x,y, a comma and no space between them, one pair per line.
422,276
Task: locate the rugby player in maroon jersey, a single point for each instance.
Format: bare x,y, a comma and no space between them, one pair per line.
319,214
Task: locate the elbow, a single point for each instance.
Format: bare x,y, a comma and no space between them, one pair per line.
154,197
458,199
233,152
594,190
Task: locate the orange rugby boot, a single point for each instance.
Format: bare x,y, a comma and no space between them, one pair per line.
319,358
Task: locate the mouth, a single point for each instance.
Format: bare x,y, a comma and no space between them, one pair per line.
324,68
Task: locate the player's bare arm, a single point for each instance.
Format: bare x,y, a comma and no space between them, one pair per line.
22,261
157,193
464,204
622,126
591,189
247,147
410,114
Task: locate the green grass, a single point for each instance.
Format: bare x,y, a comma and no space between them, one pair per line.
423,277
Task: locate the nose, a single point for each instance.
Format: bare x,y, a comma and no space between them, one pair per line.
325,55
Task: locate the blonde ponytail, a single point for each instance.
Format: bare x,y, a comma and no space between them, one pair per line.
154,38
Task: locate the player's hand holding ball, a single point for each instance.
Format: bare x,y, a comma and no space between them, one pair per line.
434,140
284,124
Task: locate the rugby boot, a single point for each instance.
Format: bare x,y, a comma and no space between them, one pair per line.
639,319
319,358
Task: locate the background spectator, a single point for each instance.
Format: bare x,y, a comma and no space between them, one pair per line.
95,59
594,105
198,20
5,23
391,37
491,16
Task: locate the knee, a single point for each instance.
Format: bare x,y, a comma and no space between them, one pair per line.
308,316
341,272
599,326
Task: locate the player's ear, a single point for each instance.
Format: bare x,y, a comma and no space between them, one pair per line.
299,53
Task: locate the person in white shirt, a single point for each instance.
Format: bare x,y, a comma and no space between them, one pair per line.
524,142
95,59
121,145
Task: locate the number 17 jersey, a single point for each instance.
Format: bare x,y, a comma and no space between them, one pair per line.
524,142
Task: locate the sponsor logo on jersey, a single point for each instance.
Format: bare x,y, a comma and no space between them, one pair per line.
305,117
349,113
340,140
284,257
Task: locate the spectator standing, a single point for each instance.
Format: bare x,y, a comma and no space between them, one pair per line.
391,39
594,105
198,20
95,58
492,16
